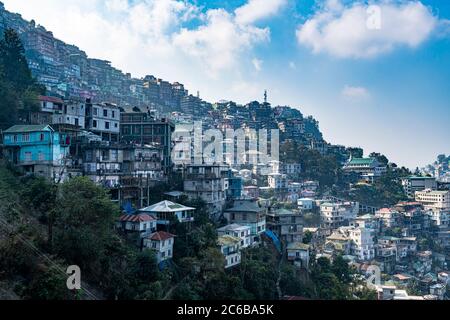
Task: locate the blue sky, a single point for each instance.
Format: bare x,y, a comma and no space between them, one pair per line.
375,79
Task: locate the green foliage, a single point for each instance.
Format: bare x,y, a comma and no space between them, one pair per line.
325,169
18,89
385,192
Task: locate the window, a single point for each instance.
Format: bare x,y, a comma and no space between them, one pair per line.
113,114
95,111
106,125
41,137
28,156
105,112
41,156
15,138
26,137
116,125
94,123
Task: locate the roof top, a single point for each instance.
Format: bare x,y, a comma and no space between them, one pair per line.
362,161
298,246
167,206
228,240
246,206
50,99
232,227
28,128
136,218
160,236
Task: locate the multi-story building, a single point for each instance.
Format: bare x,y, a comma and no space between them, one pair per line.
103,120
367,168
436,204
335,215
358,242
141,128
38,149
288,225
434,199
278,182
389,217
238,231
162,243
102,163
248,213
231,249
207,182
413,184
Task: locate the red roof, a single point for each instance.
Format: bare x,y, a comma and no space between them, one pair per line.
50,99
136,218
161,236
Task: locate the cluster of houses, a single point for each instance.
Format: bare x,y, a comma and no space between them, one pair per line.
390,239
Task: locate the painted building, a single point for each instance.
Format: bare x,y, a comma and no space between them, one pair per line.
38,149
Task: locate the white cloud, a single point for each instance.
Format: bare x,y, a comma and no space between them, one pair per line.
257,63
344,31
207,49
255,10
219,41
354,93
292,65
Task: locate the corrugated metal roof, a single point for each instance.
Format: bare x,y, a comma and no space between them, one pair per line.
28,128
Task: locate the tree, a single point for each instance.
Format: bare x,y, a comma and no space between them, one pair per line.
18,89
84,223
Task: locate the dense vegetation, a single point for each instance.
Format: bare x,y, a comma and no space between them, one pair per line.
18,89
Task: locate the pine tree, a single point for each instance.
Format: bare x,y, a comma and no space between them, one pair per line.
18,89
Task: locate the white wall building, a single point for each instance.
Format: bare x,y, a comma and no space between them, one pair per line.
238,231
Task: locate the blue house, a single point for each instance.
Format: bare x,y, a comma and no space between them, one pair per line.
37,149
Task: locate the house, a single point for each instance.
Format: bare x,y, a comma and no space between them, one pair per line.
165,211
278,182
413,184
230,248
367,168
237,231
367,221
305,204
439,290
162,243
288,225
37,149
103,120
389,217
248,213
299,254
209,183
138,223
357,242
338,214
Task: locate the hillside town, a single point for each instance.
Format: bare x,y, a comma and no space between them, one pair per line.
95,122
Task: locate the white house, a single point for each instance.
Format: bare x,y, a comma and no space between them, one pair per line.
238,231
165,211
305,203
230,248
142,223
162,243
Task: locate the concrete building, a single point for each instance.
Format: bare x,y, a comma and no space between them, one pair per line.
38,149
335,215
141,128
167,211
209,183
288,225
248,213
162,243
413,184
103,120
230,248
238,231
